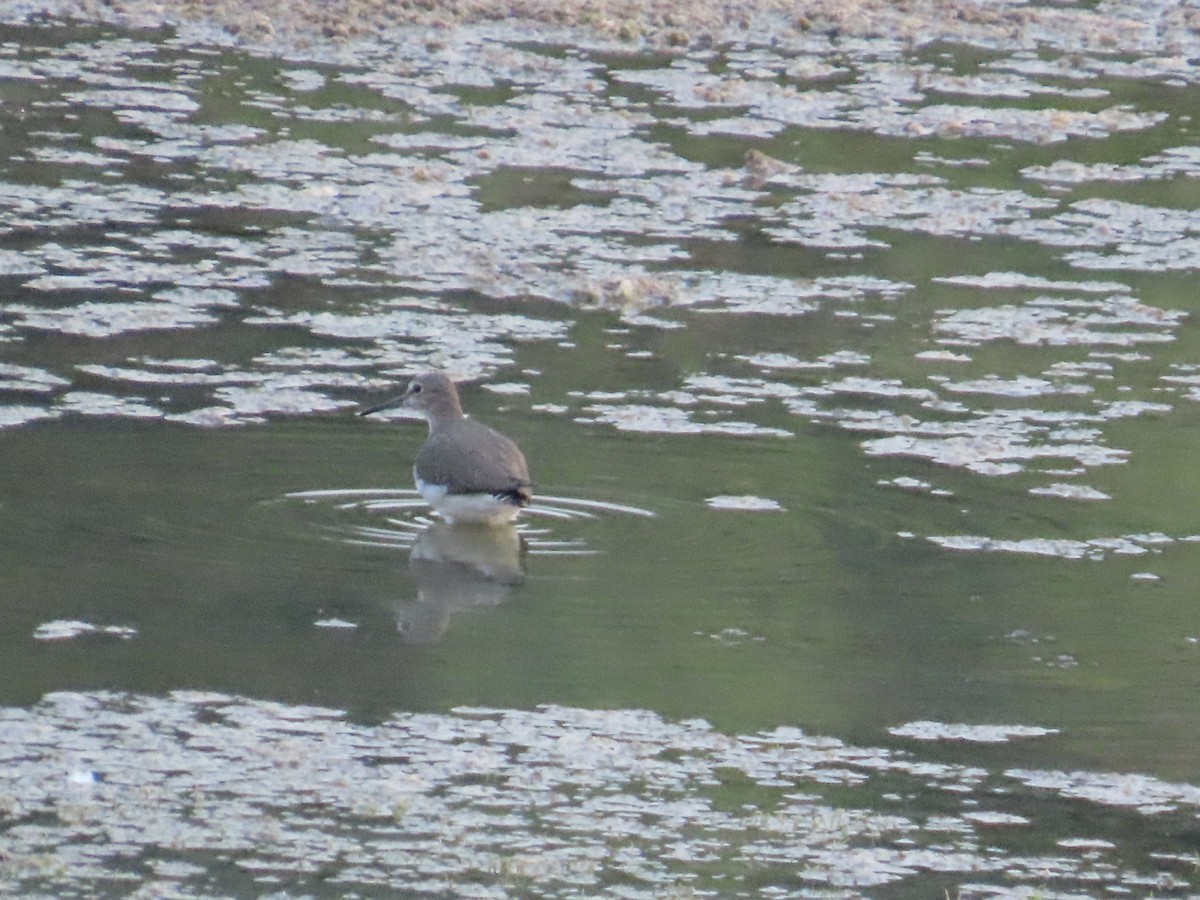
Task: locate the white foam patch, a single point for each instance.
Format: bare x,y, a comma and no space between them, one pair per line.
29,378
978,734
98,320
1023,281
91,403
1064,548
22,415
68,629
745,502
1070,492
671,420
1149,795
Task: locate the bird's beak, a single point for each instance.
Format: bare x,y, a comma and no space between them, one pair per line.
380,407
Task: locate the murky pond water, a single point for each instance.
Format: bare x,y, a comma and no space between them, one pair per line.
859,381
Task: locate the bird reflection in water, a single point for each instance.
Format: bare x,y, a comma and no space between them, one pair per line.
459,565
456,567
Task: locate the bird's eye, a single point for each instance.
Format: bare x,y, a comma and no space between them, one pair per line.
414,388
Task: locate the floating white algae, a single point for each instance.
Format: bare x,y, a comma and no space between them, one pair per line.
185,794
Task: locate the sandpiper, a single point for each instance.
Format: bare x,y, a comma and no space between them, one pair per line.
466,471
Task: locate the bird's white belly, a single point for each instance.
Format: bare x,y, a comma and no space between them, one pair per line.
466,507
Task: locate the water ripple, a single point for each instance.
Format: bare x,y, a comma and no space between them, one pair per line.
405,517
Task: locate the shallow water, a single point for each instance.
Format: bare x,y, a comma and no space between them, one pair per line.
865,548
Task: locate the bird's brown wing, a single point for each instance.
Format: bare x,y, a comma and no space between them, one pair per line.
475,459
